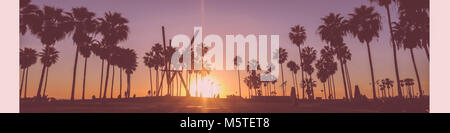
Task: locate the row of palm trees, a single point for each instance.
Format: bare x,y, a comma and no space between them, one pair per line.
52,24
101,37
412,31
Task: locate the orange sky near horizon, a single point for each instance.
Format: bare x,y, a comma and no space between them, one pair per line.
267,17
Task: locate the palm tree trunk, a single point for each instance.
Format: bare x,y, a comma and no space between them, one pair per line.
282,80
84,78
349,81
46,80
293,81
296,86
324,91
120,91
112,82
72,95
106,80
301,69
128,85
371,71
330,95
151,84
334,87
101,80
239,80
427,52
343,79
417,73
312,87
157,81
38,94
26,85
21,84
394,46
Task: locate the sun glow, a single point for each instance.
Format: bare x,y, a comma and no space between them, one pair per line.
207,87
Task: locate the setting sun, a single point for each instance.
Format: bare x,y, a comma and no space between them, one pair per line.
207,87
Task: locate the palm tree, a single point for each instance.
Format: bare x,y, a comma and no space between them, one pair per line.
325,68
158,61
388,83
253,79
409,82
298,37
382,88
365,24
114,29
29,14
237,61
49,56
99,49
120,57
308,56
83,23
50,26
28,57
332,31
343,53
385,4
114,61
167,53
406,36
85,51
130,65
293,67
282,56
416,12
149,62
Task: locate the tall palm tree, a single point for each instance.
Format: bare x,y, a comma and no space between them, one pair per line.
326,66
27,57
50,26
158,61
308,57
167,53
322,74
130,65
120,57
386,4
293,67
149,62
85,51
237,61
83,23
99,49
365,24
114,61
406,36
298,37
49,56
332,31
343,53
114,29
282,56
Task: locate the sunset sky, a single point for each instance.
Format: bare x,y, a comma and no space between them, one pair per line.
222,17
